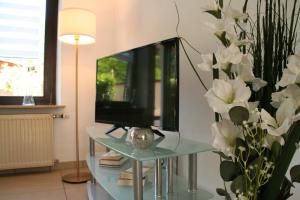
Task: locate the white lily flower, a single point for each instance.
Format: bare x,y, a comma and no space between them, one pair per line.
257,84
291,91
291,74
234,14
221,26
225,134
234,39
254,115
225,94
284,119
207,62
227,56
269,139
244,69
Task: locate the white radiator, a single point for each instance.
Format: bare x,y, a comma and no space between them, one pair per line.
26,141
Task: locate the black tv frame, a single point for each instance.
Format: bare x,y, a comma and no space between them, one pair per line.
124,105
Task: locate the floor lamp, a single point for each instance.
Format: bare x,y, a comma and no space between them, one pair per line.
76,27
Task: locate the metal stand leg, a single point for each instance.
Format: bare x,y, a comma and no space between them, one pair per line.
192,173
176,165
93,180
137,179
92,154
170,173
92,147
158,178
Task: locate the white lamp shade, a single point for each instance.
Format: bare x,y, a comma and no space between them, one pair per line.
77,23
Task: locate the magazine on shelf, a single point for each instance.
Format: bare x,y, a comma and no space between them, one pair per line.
128,173
112,159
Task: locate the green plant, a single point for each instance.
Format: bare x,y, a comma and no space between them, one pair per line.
257,131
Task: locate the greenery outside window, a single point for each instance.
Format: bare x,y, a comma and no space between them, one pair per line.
28,37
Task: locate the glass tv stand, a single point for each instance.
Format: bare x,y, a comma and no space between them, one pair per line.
165,183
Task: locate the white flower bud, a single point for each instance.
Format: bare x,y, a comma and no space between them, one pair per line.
265,158
242,149
250,194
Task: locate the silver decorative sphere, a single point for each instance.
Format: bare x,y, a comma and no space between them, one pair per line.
141,138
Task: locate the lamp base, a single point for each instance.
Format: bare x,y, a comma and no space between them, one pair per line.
73,178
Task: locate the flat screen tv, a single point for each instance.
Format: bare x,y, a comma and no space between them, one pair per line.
140,87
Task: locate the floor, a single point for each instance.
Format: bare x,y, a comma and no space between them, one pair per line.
40,186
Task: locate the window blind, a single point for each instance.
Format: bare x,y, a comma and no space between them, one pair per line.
22,28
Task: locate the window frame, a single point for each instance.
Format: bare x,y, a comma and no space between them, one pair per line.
50,46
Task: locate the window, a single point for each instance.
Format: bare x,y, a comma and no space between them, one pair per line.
28,35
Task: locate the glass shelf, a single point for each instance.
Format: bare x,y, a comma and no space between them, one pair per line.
107,178
170,146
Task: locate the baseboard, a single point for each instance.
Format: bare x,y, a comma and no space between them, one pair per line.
56,166
8,172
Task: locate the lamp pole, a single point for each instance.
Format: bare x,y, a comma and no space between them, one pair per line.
78,177
77,27
76,37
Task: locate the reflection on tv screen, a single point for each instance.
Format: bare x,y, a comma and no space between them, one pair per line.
139,87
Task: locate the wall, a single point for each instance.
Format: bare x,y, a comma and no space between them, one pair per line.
124,24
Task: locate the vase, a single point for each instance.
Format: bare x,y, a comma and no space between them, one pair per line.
28,101
141,138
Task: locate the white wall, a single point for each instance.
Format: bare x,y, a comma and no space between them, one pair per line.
121,25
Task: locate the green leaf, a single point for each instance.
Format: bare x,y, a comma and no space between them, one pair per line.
272,188
245,6
228,170
221,3
237,185
228,70
238,114
297,111
221,192
214,59
223,39
295,174
276,148
227,197
222,155
285,191
216,13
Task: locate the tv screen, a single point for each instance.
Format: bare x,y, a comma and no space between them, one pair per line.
139,87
